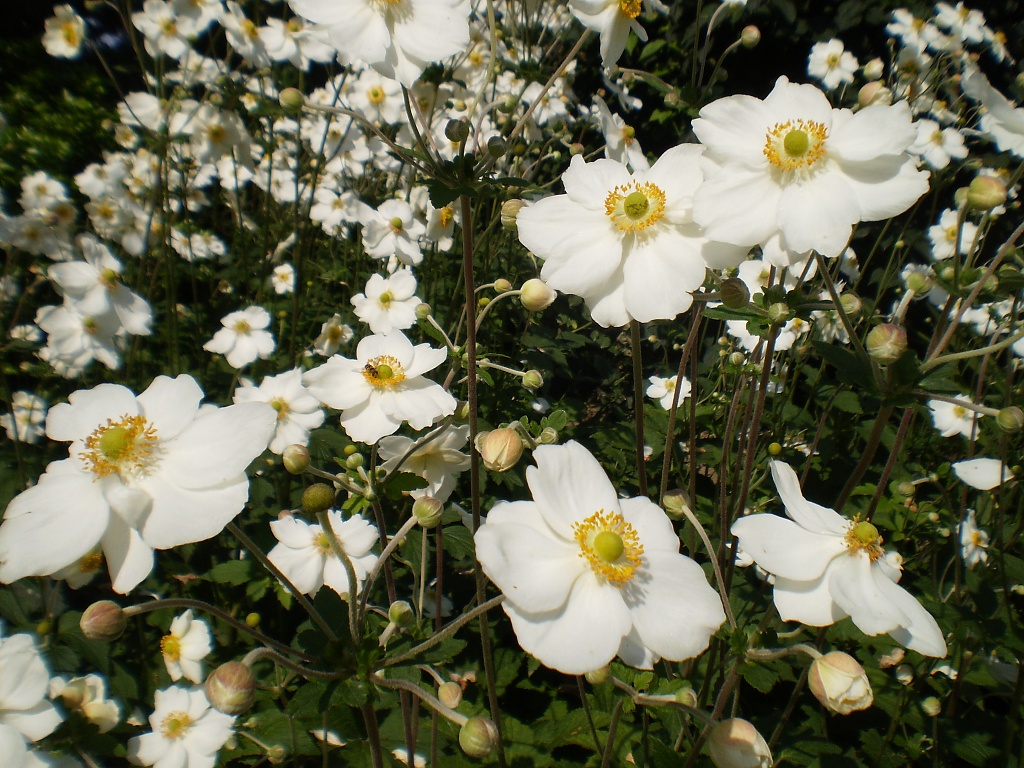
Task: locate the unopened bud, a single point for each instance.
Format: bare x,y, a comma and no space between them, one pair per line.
501,285
253,619
104,620
533,380
295,458
231,688
319,497
450,694
735,294
906,489
736,743
508,105
401,613
851,304
500,449
904,674
292,99
874,92
576,148
509,211
548,436
774,449
838,681
736,358
675,503
478,737
427,510
276,754
1010,419
598,676
874,69
931,706
779,313
496,147
686,696
919,282
536,295
456,131
750,36
423,311
886,343
985,193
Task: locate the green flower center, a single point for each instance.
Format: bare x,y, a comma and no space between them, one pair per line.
176,725
121,446
609,546
795,144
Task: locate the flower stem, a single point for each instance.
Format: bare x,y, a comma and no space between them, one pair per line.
350,572
638,405
446,632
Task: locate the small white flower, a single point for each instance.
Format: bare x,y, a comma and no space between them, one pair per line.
388,303
952,419
243,338
948,237
187,731
65,31
938,145
973,541
185,647
298,411
24,681
392,230
333,334
283,279
88,695
438,461
832,64
663,390
25,421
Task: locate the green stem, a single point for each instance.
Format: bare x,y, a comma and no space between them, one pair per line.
338,550
638,405
446,632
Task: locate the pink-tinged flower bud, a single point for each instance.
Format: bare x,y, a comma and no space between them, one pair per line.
296,459
478,737
985,193
103,620
736,743
851,304
292,99
427,510
500,449
750,36
509,211
886,343
536,295
231,688
874,93
450,694
839,683
319,497
874,69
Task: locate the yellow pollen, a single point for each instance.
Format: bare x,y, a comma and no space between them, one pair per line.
281,406
863,537
384,372
322,543
445,215
630,8
610,545
242,326
176,725
69,33
951,234
334,333
832,60
375,95
795,144
90,563
976,539
634,206
119,446
385,299
959,411
170,647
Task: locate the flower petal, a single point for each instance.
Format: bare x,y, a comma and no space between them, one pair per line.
810,516
785,549
569,486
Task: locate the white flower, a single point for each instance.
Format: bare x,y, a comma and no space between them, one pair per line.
24,681
392,230
147,472
166,31
65,31
283,279
612,19
438,461
398,38
625,242
73,339
620,142
827,567
388,303
966,24
298,411
333,334
88,695
25,421
952,419
832,64
187,731
243,338
948,237
937,145
973,541
983,474
383,387
663,390
588,576
1001,120
801,171
14,752
304,553
185,646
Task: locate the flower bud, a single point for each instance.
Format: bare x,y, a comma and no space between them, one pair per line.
104,620
427,510
736,358
401,614
536,295
1010,419
355,461
750,36
874,92
508,105
253,619
456,131
851,304
839,683
548,436
509,211
292,99
735,743
985,193
450,694
686,696
919,282
775,448
500,449
501,285
423,311
675,503
598,676
905,674
296,458
319,497
276,754
478,737
779,313
874,69
576,148
735,294
496,147
886,343
231,688
931,706
532,379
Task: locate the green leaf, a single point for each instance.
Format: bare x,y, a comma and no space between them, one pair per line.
233,572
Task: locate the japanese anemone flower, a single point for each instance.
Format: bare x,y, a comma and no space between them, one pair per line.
588,576
626,243
828,567
793,171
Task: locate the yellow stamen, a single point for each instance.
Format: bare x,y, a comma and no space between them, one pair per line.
633,207
176,725
795,144
610,545
119,446
170,647
630,8
384,372
863,537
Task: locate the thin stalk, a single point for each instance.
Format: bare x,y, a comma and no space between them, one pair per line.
446,632
267,653
866,457
339,552
688,349
392,545
638,405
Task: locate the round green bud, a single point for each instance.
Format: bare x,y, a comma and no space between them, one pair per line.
931,706
774,449
736,358
478,737
750,36
427,510
536,295
675,503
533,380
292,99
44,627
295,459
1010,419
496,147
348,450
508,105
851,304
947,274
919,282
598,676
450,694
548,436
519,148
104,621
501,285
253,619
906,489
672,99
318,497
356,460
735,294
576,148
231,688
779,313
401,614
456,131
986,193
886,343
276,754
686,696
423,311
509,211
